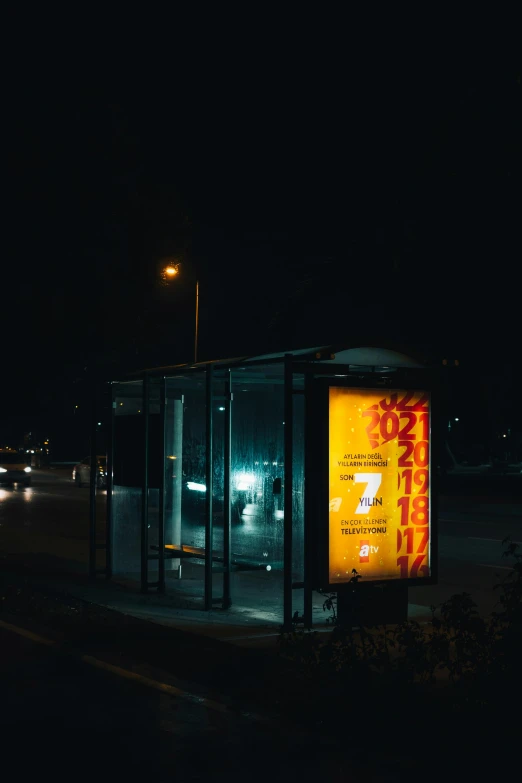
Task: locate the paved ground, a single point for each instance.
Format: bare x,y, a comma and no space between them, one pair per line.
81,699
88,692
65,718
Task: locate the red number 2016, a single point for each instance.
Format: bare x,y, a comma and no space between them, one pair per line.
416,566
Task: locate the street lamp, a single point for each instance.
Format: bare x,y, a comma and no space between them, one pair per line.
197,324
169,272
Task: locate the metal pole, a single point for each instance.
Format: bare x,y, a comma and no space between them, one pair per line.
208,482
109,485
197,323
145,489
92,491
288,474
173,475
310,450
176,477
227,601
161,509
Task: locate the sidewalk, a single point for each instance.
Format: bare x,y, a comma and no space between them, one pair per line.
237,626
255,622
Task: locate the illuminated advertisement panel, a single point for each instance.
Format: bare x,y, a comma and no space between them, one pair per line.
379,484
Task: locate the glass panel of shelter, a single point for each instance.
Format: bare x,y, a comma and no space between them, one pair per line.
257,473
127,482
185,489
256,485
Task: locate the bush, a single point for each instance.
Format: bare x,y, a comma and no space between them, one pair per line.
476,658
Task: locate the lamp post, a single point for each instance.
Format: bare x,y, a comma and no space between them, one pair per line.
197,324
169,272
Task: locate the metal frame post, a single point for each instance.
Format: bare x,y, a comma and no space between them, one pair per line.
196,332
109,529
92,490
309,502
208,482
161,509
288,493
227,599
436,446
145,489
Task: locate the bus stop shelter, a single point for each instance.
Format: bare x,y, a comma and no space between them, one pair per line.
214,486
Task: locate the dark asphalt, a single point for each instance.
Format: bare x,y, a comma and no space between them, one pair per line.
66,719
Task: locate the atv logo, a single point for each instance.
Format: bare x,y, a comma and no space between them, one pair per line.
364,551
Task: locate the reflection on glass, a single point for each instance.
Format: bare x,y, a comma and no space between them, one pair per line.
257,494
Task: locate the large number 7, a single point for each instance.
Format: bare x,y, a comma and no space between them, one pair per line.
373,482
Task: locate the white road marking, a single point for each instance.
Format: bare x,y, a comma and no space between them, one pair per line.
497,540
464,521
478,522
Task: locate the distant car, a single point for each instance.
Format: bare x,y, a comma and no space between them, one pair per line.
81,474
253,493
14,468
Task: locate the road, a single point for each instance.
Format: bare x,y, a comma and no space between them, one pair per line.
56,515
69,717
471,556
86,706
49,520
63,719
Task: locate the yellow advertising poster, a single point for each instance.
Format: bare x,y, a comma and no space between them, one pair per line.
379,452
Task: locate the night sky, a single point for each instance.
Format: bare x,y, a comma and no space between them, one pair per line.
317,198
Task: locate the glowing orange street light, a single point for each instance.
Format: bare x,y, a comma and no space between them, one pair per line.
170,271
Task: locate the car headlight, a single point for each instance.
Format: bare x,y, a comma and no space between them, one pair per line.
3,470
196,487
244,481
27,469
